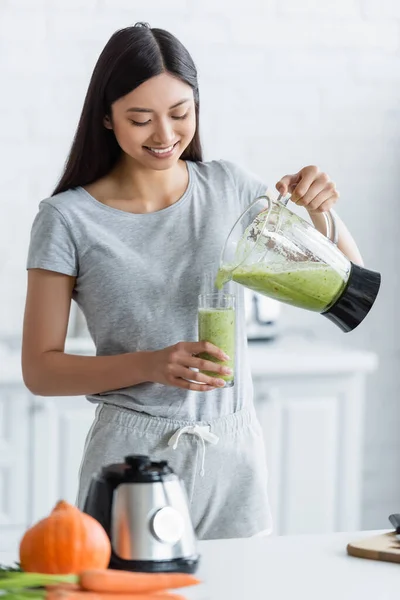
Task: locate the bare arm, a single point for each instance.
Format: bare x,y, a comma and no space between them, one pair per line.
48,371
346,241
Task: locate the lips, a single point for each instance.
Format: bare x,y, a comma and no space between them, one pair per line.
161,152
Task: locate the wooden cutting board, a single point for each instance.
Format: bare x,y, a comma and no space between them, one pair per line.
380,547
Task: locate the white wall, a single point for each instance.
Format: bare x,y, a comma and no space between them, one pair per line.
283,84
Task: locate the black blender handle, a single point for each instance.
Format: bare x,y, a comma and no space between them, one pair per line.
395,521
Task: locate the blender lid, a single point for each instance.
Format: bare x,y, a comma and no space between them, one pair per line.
138,468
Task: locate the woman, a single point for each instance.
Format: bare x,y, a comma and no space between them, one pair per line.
135,223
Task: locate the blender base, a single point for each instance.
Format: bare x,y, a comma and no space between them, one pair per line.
356,300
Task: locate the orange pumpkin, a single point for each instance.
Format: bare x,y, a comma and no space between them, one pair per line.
67,541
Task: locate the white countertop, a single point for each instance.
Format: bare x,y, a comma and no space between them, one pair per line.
304,567
288,356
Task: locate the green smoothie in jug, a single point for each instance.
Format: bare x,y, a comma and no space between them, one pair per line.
312,286
217,325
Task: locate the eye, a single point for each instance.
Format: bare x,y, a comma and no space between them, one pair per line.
138,123
180,117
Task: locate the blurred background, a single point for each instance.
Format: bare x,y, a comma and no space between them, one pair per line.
283,84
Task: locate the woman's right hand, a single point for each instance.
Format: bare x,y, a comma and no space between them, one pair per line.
173,366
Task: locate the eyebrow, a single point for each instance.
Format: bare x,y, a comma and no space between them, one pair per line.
149,110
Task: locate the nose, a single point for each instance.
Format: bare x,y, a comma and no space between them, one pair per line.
164,133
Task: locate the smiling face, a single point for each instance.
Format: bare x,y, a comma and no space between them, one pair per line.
155,122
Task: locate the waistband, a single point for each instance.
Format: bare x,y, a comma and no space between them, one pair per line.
125,417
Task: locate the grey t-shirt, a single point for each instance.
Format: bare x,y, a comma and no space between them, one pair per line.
138,277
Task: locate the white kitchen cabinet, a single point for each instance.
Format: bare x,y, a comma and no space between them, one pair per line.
14,464
310,397
59,428
313,435
310,401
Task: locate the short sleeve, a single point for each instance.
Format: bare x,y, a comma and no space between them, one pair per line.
248,185
51,243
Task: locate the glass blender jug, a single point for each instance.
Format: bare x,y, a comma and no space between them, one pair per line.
273,251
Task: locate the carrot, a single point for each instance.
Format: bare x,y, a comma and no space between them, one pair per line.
70,587
73,595
114,580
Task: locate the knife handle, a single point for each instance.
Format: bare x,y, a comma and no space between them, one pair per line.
395,521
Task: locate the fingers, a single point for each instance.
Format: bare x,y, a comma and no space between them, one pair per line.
184,356
308,176
298,183
318,193
194,387
287,184
206,365
323,202
195,348
310,188
182,374
303,196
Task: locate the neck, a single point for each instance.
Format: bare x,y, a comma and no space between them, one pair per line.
149,186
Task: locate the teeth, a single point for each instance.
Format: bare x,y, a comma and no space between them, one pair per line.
163,151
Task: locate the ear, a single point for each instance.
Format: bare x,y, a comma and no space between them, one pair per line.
107,122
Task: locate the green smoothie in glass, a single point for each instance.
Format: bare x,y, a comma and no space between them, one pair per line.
216,324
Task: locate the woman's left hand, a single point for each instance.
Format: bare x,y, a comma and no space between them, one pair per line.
310,188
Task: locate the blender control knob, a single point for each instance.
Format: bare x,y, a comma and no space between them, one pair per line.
167,525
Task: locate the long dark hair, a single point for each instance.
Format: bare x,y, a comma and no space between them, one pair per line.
131,56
